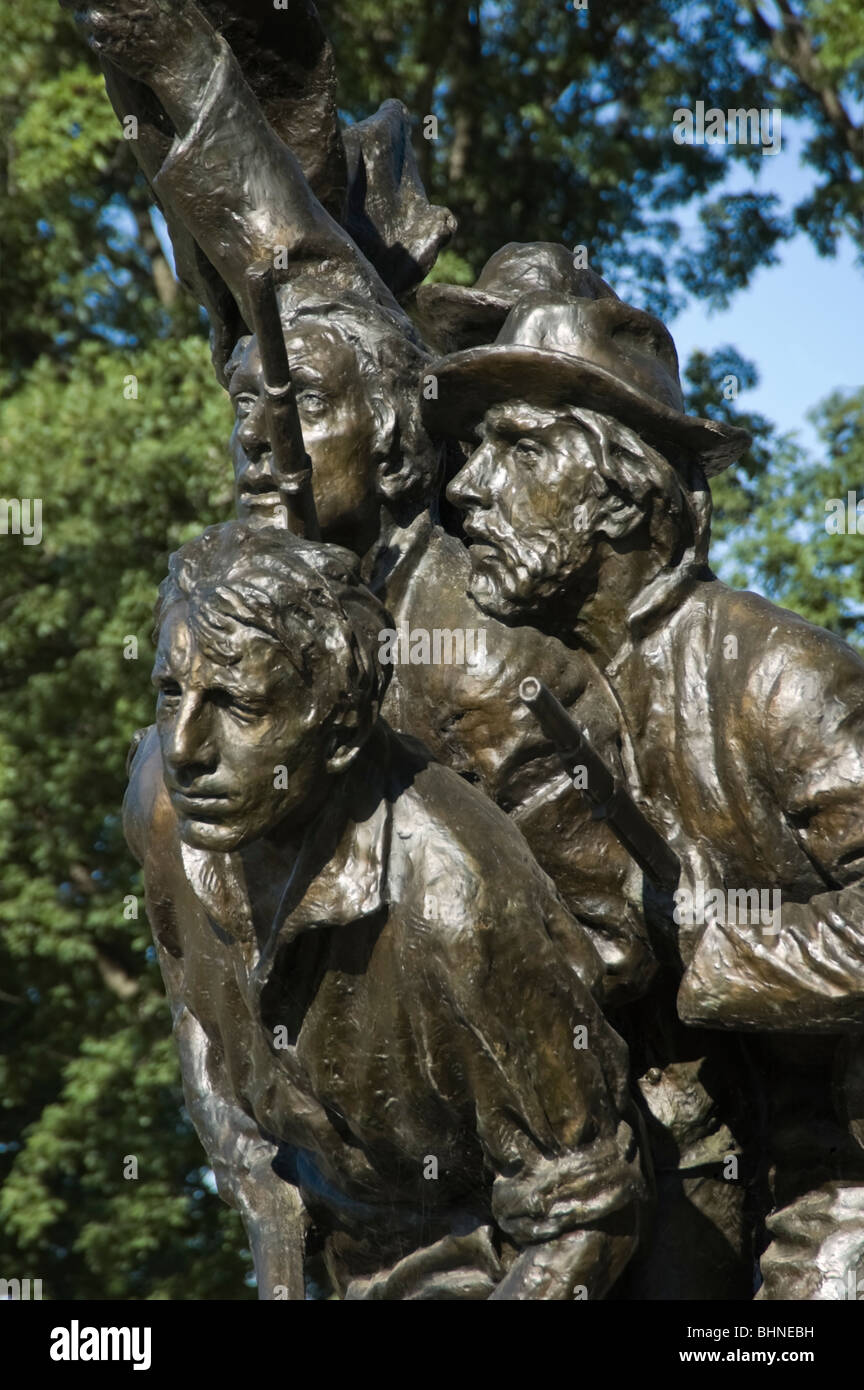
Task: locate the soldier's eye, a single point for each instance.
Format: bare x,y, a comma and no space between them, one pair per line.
243,406
223,699
528,448
312,402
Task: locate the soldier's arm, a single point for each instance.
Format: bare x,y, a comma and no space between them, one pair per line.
228,177
241,1157
805,970
810,976
549,1079
242,1160
166,44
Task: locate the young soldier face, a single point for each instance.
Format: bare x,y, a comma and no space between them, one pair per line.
339,432
240,750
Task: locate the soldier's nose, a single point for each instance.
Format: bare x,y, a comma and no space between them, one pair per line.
256,474
252,434
470,486
188,748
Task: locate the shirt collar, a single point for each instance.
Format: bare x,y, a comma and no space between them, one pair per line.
666,593
338,877
394,567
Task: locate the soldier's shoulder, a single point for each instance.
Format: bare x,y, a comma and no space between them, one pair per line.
466,881
775,637
145,805
464,853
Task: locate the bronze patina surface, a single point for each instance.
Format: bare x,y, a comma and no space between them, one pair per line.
465,1012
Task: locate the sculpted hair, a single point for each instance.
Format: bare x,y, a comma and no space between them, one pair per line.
304,596
674,495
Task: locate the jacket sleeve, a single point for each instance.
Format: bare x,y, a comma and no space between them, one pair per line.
548,1078
242,1161
807,970
240,1155
242,194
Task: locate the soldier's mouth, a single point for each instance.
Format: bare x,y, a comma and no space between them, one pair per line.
204,806
480,552
260,501
483,546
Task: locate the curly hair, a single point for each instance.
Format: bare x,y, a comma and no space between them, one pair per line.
304,596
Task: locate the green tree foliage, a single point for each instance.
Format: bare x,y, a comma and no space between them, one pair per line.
80,257
554,123
771,509
89,1075
792,550
812,58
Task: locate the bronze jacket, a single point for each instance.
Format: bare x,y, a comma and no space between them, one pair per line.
396,1023
471,717
747,723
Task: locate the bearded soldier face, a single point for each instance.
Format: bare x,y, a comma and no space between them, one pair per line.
528,494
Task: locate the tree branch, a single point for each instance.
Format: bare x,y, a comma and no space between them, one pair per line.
793,44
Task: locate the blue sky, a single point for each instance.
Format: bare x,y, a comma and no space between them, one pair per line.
801,321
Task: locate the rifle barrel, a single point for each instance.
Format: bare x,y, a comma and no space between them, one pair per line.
292,466
611,802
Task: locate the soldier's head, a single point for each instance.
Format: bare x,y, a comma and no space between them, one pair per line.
268,680
356,375
584,454
551,493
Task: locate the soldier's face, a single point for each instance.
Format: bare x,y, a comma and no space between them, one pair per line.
528,493
240,751
339,430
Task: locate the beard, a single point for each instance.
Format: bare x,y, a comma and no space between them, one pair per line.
517,580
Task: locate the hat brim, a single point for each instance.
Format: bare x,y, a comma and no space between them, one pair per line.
470,382
455,317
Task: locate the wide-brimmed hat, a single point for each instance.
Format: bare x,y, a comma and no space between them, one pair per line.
453,317
601,354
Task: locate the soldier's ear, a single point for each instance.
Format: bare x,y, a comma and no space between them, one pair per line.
395,470
347,738
617,516
385,426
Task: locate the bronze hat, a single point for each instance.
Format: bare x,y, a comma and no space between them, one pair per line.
453,317
600,354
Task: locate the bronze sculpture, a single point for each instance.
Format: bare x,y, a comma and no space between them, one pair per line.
577,546
354,975
716,689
